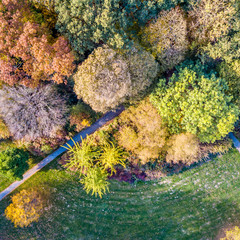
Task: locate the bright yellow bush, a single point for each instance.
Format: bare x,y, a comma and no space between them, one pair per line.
26,207
184,148
232,234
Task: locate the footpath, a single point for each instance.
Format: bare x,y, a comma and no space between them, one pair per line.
77,138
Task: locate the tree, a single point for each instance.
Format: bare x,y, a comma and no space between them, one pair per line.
32,113
210,19
108,78
111,156
28,52
26,207
13,163
96,181
94,164
232,234
166,37
142,132
184,148
195,102
4,132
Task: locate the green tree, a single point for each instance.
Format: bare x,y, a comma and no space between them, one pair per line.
13,163
195,102
108,77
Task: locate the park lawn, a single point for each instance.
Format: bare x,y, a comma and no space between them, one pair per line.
194,204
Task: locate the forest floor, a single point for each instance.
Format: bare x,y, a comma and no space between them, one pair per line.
195,204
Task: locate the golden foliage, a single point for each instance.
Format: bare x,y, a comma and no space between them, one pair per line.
183,147
142,131
232,234
26,207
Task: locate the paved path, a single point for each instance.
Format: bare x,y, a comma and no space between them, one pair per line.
77,138
236,143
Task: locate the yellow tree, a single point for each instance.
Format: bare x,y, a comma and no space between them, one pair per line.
26,207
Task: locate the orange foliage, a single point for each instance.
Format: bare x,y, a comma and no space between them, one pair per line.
28,53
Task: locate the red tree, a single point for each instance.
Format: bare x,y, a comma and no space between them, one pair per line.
28,52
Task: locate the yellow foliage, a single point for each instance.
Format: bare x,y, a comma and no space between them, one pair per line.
142,133
4,132
232,234
25,208
183,147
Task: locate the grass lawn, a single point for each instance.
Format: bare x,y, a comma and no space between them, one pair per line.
195,204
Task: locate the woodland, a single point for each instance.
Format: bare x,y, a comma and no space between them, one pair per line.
173,64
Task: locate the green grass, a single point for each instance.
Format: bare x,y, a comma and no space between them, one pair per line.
195,204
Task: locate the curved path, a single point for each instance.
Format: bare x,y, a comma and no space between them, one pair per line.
77,138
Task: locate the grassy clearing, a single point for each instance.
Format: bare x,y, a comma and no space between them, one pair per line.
195,204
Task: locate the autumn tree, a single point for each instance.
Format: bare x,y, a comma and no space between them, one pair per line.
184,147
28,52
108,78
210,19
26,207
195,102
13,163
166,37
142,132
32,113
94,164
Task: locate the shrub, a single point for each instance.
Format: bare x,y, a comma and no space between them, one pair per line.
142,132
210,20
184,148
32,113
232,234
167,38
80,116
26,207
108,77
28,52
94,164
13,163
96,181
111,156
195,102
4,132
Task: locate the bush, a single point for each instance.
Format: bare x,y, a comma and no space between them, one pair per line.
4,132
167,38
94,164
80,116
28,51
184,148
108,78
232,234
26,207
210,20
13,163
142,132
195,102
32,113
